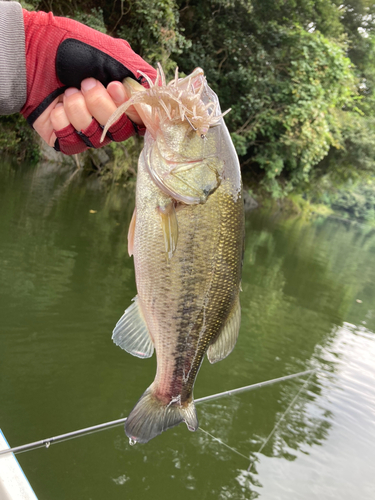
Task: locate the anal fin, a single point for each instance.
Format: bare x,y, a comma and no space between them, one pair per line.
131,332
225,342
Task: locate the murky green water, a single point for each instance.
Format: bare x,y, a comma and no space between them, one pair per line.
65,279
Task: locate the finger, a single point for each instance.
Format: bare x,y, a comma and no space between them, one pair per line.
43,126
119,95
98,101
92,135
52,140
59,120
68,141
76,110
121,130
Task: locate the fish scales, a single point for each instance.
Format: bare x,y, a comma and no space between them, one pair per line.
187,245
193,295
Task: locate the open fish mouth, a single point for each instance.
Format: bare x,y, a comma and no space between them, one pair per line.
179,100
178,115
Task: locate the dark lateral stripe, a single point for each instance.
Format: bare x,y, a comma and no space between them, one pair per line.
44,105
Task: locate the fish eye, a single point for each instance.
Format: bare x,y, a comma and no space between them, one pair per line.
203,136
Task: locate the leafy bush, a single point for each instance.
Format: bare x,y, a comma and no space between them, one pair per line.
17,138
123,165
354,160
303,113
285,85
152,29
357,201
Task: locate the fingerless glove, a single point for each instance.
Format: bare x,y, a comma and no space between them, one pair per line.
60,53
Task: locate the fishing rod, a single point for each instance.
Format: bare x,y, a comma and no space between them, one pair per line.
115,423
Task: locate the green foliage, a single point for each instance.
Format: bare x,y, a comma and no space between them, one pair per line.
354,200
150,26
17,139
297,204
358,22
152,30
285,84
294,132
94,19
353,161
299,76
123,165
30,5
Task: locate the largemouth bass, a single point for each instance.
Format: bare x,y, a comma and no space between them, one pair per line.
186,237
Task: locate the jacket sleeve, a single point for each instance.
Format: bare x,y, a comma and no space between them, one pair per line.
12,58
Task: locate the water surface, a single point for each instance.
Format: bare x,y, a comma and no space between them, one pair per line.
308,301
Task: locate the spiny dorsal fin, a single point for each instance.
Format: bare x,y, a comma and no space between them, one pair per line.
227,338
131,332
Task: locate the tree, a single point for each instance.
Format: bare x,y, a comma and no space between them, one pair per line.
285,82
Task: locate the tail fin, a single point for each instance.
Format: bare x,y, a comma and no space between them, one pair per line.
150,417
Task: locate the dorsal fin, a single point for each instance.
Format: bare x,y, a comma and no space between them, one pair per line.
131,332
225,342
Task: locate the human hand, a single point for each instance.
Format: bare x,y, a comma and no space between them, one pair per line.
85,111
61,54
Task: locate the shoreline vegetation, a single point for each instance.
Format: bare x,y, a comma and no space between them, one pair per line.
299,76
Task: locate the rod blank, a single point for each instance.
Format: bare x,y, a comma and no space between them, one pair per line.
115,423
252,386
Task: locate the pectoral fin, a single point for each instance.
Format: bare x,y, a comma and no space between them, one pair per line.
131,332
131,233
169,225
225,342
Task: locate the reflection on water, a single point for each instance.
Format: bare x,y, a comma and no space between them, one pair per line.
308,301
343,466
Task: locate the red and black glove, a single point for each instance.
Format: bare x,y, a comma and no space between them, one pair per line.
60,53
